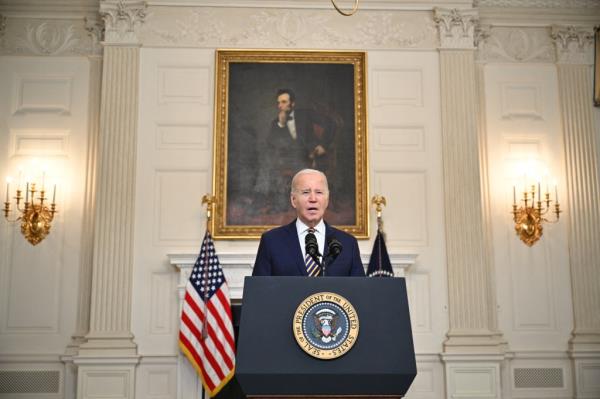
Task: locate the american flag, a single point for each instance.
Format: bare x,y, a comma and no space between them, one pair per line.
207,341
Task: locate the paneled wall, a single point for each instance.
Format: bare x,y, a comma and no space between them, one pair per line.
43,114
533,284
175,170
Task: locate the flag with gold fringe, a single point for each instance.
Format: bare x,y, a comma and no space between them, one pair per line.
206,330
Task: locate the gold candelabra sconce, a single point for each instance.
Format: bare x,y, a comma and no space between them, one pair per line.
529,214
34,211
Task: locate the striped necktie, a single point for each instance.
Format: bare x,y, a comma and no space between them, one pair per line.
312,268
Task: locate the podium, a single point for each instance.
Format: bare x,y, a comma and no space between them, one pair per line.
271,363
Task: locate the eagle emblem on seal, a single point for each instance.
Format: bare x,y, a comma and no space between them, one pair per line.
325,325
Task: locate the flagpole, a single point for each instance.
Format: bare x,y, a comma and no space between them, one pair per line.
379,200
207,200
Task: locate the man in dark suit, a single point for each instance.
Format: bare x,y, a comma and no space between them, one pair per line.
282,251
297,139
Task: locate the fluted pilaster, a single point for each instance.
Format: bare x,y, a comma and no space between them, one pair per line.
107,360
575,57
113,238
468,274
574,46
472,320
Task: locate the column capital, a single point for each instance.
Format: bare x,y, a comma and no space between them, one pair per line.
574,44
456,27
122,20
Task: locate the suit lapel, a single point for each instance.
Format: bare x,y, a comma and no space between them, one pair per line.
328,234
293,242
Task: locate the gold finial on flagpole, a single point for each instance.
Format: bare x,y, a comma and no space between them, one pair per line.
379,200
209,200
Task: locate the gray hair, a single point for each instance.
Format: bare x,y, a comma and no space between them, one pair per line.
306,172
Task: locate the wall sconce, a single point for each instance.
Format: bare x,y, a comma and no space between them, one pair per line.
529,216
35,215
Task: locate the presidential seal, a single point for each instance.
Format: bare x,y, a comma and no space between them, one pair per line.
325,325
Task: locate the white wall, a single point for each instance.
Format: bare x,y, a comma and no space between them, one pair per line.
43,114
175,170
532,283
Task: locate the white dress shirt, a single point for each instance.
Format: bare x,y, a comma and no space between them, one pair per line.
302,230
291,125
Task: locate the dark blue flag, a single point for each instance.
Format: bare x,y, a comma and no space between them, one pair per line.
379,264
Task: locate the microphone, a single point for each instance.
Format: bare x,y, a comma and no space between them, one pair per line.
334,248
312,247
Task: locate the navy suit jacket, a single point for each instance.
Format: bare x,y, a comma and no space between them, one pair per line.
279,254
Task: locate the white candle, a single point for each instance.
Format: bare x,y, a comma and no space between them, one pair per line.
514,195
556,192
27,192
7,189
54,195
539,192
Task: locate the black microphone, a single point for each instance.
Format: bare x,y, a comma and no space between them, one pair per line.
334,248
312,247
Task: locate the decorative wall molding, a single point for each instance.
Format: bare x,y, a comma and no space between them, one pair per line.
538,3
574,44
280,28
522,44
122,20
56,37
456,27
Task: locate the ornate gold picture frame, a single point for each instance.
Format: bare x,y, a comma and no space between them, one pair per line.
254,161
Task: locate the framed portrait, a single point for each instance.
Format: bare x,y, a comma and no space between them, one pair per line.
277,112
597,66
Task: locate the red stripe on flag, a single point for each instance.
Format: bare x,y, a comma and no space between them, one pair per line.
211,360
226,330
190,301
213,335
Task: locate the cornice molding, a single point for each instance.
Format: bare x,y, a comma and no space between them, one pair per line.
456,27
538,17
47,37
545,4
574,44
122,20
365,5
259,28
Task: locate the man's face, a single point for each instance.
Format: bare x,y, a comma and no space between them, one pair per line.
310,198
284,103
